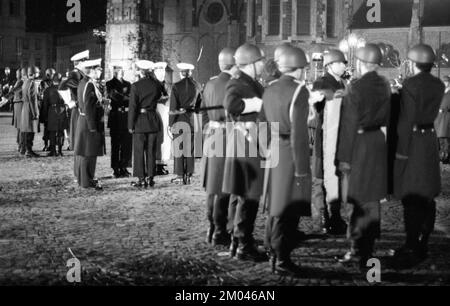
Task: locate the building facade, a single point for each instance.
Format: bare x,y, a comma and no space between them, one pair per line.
12,31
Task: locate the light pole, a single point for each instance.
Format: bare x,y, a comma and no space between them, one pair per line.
349,45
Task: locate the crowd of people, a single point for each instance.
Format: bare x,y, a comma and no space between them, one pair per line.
372,138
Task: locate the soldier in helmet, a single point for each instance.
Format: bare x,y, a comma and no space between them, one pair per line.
271,73
286,103
244,176
362,153
443,124
29,120
186,95
417,178
217,201
326,182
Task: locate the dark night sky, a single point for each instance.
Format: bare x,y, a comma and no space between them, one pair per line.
50,16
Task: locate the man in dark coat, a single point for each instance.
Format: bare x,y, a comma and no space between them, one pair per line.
29,120
54,116
118,91
185,96
244,174
362,153
90,131
286,103
214,160
72,83
144,124
46,83
443,124
326,182
18,103
417,169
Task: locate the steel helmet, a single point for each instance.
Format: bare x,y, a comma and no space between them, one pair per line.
280,50
422,54
248,54
334,56
371,53
292,58
226,56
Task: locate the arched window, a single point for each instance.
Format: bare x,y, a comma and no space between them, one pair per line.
331,19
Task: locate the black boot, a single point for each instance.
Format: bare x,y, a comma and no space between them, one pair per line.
325,221
124,172
233,246
60,153
337,226
117,173
141,183
210,234
287,268
52,153
251,252
150,182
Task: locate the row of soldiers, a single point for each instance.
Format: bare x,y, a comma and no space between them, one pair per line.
350,163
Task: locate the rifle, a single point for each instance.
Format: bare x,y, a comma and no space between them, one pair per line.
197,110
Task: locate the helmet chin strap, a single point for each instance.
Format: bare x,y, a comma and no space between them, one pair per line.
254,70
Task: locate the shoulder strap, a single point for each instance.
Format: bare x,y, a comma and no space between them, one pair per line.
294,99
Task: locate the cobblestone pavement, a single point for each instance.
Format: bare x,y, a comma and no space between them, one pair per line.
156,237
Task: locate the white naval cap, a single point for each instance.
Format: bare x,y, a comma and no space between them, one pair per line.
185,66
160,65
92,63
145,65
80,56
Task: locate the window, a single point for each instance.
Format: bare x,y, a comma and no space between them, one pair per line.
331,19
14,8
38,44
303,17
26,44
152,13
19,46
214,13
274,17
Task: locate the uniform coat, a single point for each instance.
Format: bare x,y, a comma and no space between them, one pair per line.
243,176
443,120
145,94
367,105
119,92
18,103
72,84
186,94
421,98
29,120
286,198
329,85
214,95
54,113
90,134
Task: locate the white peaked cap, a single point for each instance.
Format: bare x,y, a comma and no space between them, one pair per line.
80,56
185,66
161,65
92,63
145,65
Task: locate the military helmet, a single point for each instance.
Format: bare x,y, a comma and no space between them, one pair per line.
371,53
334,56
292,58
226,56
422,54
280,50
248,54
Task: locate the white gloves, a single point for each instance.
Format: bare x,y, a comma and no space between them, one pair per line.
253,105
315,97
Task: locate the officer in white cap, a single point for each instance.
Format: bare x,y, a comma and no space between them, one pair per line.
71,83
144,123
186,94
90,132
